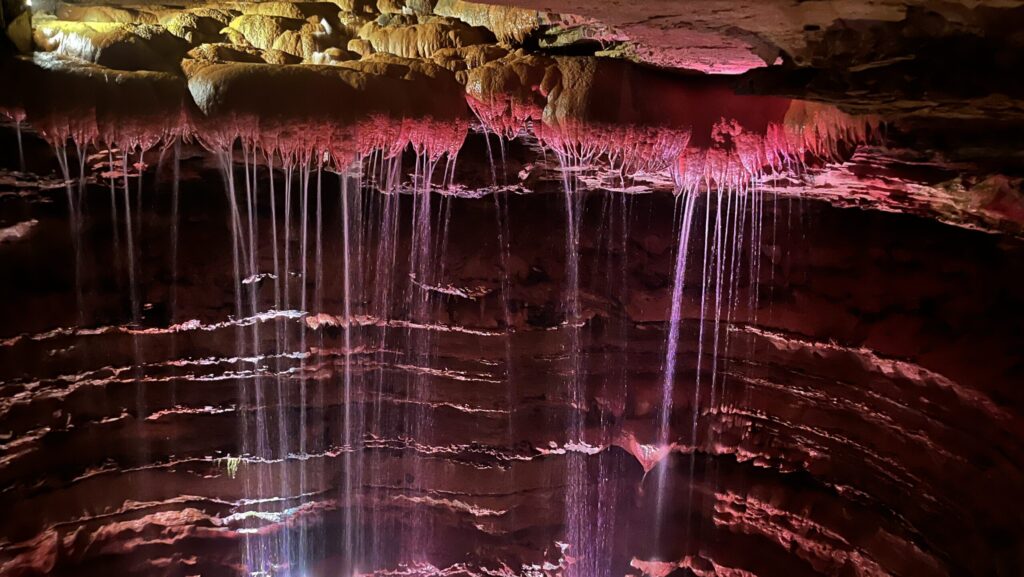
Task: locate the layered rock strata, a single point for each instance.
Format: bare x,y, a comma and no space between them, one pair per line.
385,288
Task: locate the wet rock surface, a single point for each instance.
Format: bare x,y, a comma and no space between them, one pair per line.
860,406
392,288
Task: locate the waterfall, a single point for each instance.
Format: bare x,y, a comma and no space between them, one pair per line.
351,474
337,456
129,235
578,534
74,219
668,384
727,240
175,183
21,148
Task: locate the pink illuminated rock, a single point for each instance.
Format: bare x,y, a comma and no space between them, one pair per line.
648,455
438,407
65,99
638,121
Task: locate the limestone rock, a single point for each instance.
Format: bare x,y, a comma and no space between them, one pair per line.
360,46
261,31
332,56
19,30
99,13
114,45
347,92
406,6
466,57
351,23
69,98
421,40
226,53
195,28
301,38
363,7
510,25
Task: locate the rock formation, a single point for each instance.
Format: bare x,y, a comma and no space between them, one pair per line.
584,288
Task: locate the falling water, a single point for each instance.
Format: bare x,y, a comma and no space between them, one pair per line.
578,525
615,222
267,551
74,194
21,149
501,215
255,555
129,235
141,164
713,277
393,243
689,200
384,219
728,240
281,379
303,544
350,474
419,421
175,182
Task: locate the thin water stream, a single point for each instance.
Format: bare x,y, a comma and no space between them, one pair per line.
343,304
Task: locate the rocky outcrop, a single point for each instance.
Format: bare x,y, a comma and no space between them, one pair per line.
87,102
509,24
113,45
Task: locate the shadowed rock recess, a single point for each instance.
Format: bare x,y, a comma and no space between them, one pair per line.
529,288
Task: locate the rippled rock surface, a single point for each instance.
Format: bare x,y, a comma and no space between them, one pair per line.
438,288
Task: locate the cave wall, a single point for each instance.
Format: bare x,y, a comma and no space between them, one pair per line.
861,417
853,410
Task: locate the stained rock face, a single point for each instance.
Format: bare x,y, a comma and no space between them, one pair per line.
583,289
